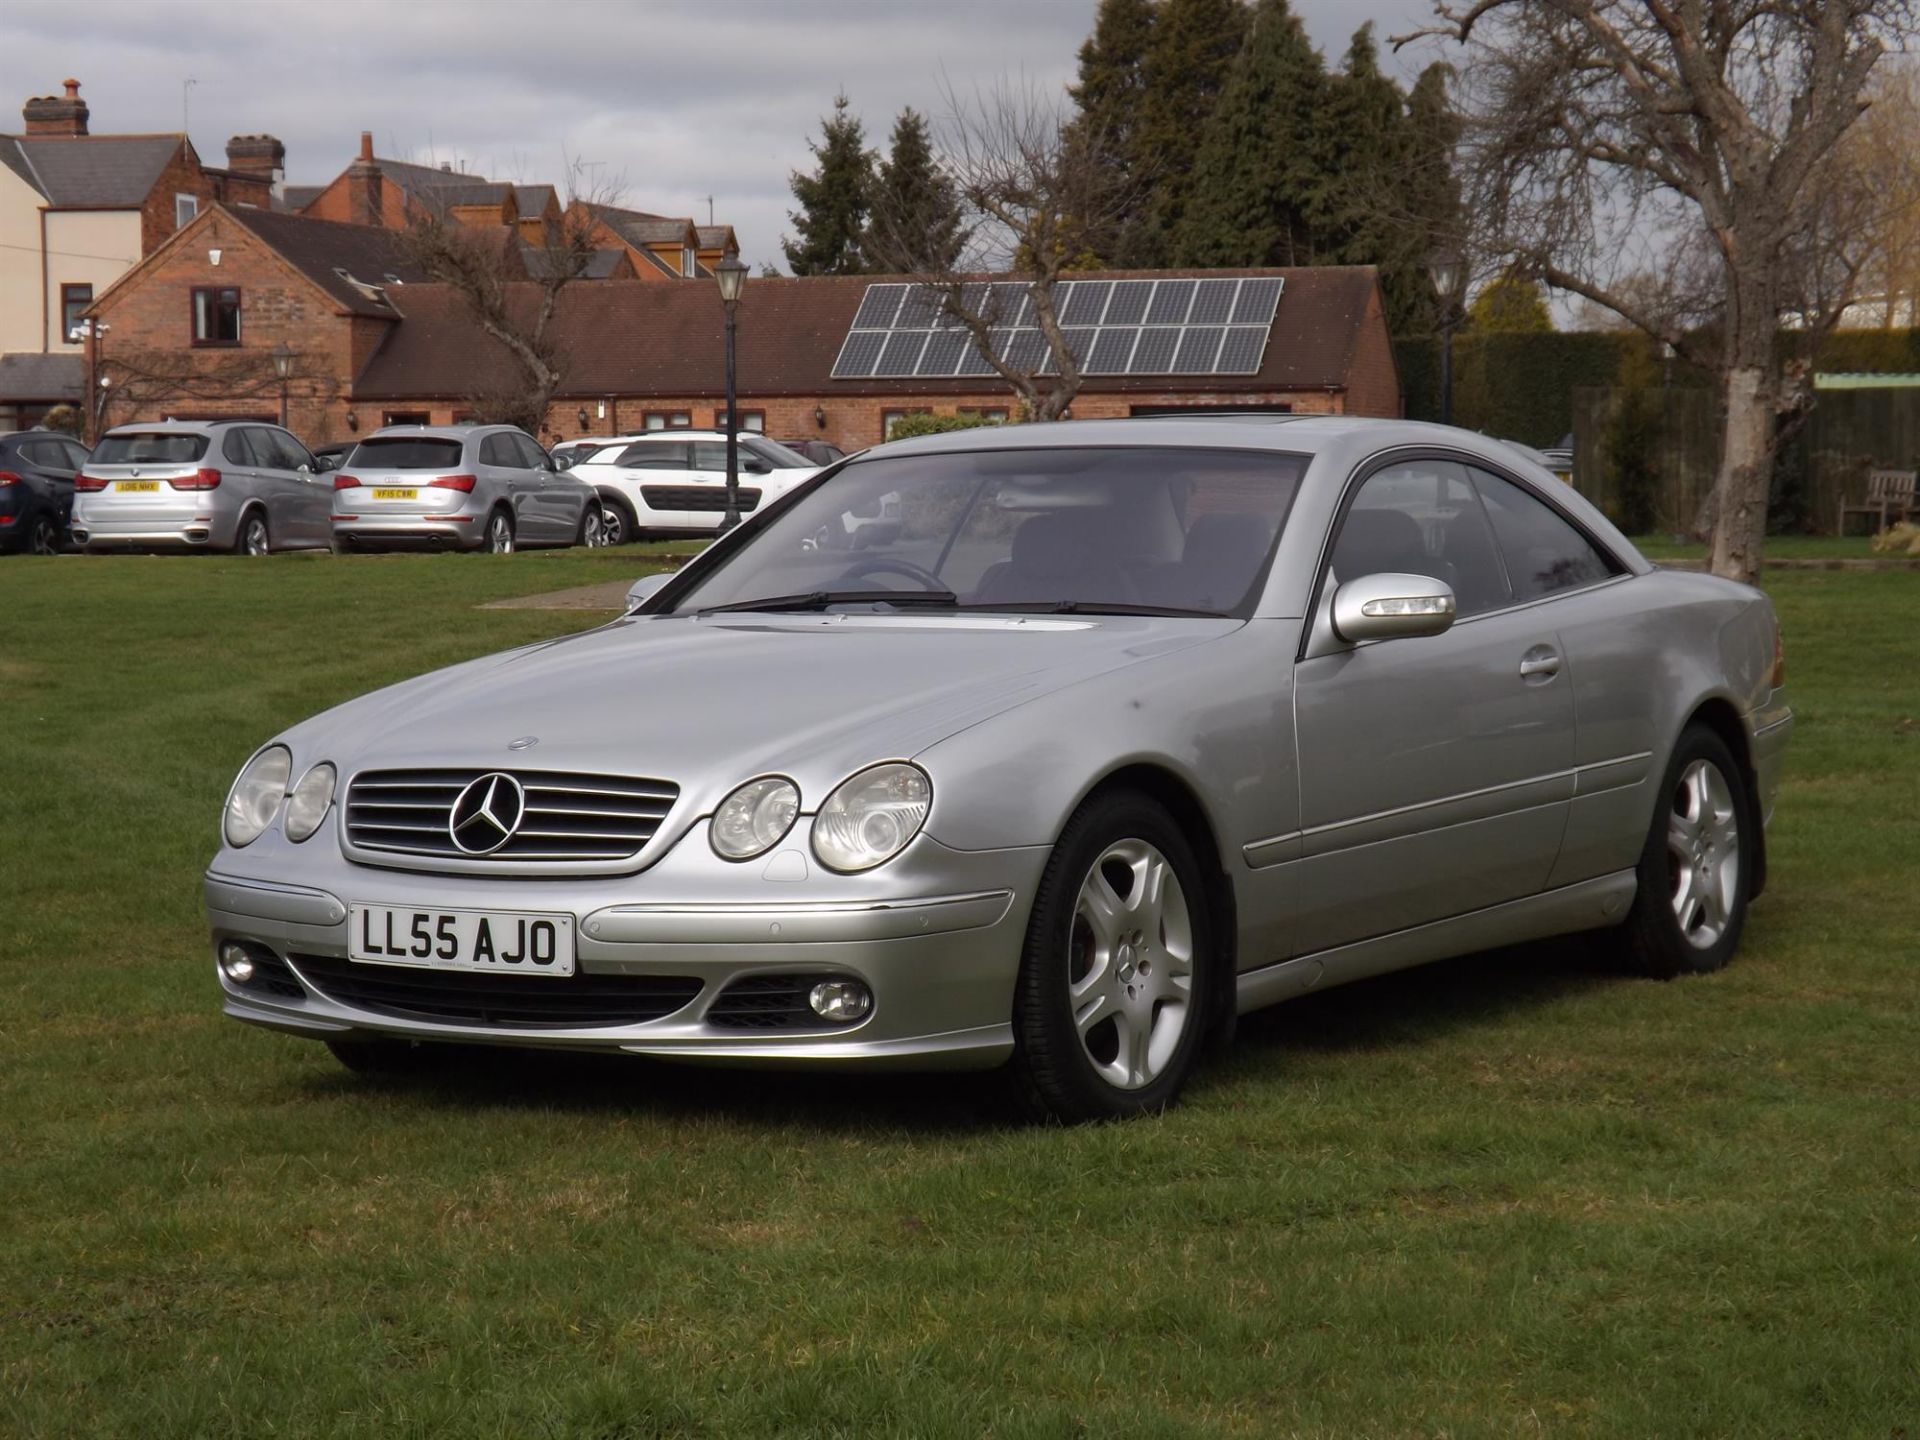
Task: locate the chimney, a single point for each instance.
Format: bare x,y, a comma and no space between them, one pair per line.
259,157
56,114
365,197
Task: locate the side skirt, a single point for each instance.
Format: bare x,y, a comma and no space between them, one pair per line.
1587,905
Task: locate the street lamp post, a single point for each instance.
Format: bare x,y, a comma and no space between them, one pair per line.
731,276
1447,272
282,357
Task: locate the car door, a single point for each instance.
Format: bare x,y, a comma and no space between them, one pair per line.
710,475
503,475
655,472
245,465
560,496
1435,772
52,467
308,494
1614,647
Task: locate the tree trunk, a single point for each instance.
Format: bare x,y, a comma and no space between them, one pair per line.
1746,472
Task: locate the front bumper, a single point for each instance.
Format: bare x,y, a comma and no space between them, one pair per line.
937,942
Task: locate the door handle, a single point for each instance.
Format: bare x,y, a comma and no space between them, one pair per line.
1539,663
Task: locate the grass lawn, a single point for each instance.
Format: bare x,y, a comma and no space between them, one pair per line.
1779,547
1510,1194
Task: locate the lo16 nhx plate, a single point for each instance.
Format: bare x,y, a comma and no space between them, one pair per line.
496,942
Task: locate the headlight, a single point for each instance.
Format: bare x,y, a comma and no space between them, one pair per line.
256,795
307,805
870,818
752,820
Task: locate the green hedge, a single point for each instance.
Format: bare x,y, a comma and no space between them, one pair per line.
907,426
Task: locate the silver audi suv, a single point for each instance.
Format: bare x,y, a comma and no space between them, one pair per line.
463,487
236,485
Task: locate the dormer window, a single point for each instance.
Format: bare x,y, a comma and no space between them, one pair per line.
689,263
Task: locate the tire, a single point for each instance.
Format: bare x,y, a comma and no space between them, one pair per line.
619,526
43,536
1696,870
593,527
1109,1017
499,537
381,1058
252,538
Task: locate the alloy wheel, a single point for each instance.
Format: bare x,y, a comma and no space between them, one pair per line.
500,535
253,536
613,526
593,528
1130,964
44,537
1703,853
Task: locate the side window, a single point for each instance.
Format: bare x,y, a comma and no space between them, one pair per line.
1544,553
1423,518
655,455
712,455
494,451
76,455
47,454
237,448
290,452
531,455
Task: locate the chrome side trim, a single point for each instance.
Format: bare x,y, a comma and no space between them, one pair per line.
1586,905
792,922
270,900
1275,851
1618,774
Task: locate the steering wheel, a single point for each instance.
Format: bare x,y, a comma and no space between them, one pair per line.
887,564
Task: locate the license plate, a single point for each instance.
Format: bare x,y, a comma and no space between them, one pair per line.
384,493
127,487
498,942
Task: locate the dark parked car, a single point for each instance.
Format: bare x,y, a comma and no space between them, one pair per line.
820,452
332,457
36,489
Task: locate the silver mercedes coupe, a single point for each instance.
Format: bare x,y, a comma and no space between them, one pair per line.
1116,730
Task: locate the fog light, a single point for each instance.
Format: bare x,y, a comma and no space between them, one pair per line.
840,999
237,964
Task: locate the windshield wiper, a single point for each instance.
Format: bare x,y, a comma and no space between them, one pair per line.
1086,607
821,599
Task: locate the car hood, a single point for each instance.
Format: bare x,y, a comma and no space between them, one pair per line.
710,702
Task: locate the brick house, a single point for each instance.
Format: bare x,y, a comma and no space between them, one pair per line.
77,211
193,327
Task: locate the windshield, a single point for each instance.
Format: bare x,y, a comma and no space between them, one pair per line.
408,452
776,454
152,449
1122,529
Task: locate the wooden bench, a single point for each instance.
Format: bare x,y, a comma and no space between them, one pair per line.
1890,498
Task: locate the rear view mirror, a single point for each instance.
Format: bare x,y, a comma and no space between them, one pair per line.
645,588
1392,607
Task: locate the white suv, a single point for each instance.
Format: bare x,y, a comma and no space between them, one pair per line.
674,482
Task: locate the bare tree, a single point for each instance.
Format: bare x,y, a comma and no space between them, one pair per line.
495,272
1687,145
150,384
1037,205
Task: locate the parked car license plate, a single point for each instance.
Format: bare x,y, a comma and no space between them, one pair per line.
388,493
124,486
498,942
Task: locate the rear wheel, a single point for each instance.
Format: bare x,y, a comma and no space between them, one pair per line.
43,536
252,537
499,533
617,522
1110,1009
1696,870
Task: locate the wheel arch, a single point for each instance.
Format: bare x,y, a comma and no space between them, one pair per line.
1718,714
1182,801
253,507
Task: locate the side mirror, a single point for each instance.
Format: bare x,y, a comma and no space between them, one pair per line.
1392,607
753,465
563,462
645,588
324,463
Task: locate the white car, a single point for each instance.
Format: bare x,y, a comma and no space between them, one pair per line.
674,482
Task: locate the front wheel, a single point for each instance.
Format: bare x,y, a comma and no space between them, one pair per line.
500,533
1115,981
1696,870
593,528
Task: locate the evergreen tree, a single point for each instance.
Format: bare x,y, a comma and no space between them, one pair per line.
1430,191
1192,48
1256,168
1109,93
834,200
1511,303
915,226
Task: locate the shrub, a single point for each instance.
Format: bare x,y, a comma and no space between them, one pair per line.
908,426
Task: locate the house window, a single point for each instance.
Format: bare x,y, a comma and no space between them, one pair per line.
993,415
689,267
668,420
185,207
754,420
74,300
406,417
216,315
891,418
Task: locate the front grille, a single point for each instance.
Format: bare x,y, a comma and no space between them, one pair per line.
567,816
271,976
767,1002
696,497
515,1001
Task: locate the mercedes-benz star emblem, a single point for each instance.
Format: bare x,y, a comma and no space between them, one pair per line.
486,814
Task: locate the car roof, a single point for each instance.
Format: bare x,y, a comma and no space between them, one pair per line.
441,432
186,427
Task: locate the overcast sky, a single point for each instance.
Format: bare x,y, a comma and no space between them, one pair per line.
673,100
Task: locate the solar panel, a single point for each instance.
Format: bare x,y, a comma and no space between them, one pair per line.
1170,301
1199,346
943,352
972,362
1112,349
1085,300
918,308
1154,354
1241,354
1128,304
1258,299
1213,302
1008,305
902,353
858,354
1027,351
1079,344
878,307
